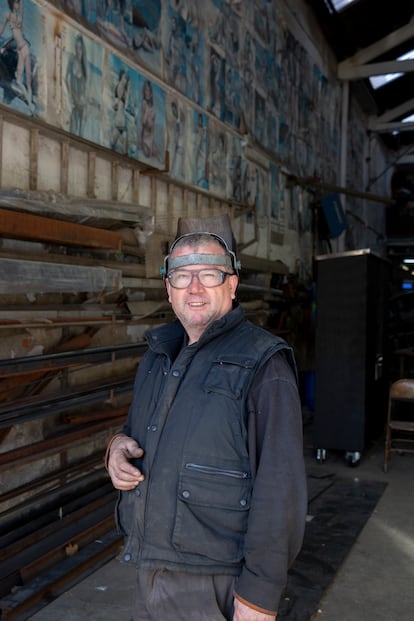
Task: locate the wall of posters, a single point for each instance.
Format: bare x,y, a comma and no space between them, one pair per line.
199,78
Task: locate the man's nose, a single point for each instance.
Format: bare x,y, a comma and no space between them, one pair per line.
195,283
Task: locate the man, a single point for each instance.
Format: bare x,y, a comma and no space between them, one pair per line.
210,461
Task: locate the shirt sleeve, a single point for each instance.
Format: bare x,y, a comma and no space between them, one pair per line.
277,514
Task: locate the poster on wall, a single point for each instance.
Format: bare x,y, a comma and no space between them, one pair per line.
216,84
134,114
144,33
195,45
277,205
21,33
121,107
262,198
234,166
151,124
114,20
184,47
250,181
175,51
218,138
131,24
177,121
232,106
82,85
200,148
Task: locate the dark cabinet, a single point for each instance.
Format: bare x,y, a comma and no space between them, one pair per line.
350,350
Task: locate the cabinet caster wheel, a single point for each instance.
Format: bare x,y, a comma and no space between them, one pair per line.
352,458
320,455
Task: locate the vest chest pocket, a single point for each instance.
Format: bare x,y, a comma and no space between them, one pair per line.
228,376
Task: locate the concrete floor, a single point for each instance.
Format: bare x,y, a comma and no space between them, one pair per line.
375,581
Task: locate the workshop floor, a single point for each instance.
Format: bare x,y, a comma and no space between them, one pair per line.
375,581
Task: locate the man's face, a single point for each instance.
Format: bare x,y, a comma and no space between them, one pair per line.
197,306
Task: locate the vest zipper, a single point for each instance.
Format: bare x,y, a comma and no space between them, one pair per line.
237,474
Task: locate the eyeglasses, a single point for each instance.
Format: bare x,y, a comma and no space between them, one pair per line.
181,279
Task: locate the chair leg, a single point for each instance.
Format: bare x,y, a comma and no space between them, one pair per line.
387,450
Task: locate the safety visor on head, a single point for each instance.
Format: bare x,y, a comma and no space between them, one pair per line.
227,260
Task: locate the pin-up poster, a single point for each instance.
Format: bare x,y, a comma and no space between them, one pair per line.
151,123
218,180
200,146
21,34
195,52
177,129
184,47
131,24
144,32
82,85
234,166
121,96
134,114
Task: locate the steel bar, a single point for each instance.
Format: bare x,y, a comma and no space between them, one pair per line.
43,509
54,535
92,355
22,603
40,450
34,408
49,483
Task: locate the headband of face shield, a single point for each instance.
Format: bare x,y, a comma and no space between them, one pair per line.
227,260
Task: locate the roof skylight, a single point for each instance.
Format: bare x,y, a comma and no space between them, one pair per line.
340,5
379,80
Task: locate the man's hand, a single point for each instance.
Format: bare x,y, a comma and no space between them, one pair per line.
123,474
245,613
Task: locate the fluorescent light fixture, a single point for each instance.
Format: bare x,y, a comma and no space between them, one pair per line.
379,80
408,260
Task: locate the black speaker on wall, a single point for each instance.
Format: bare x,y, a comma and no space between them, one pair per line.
350,349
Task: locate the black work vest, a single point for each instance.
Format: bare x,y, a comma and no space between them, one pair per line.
188,414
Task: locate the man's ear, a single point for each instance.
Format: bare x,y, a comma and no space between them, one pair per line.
167,288
234,283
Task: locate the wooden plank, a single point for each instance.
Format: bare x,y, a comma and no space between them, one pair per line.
21,276
257,264
34,158
28,226
91,174
1,149
136,270
40,203
114,180
135,185
143,283
64,167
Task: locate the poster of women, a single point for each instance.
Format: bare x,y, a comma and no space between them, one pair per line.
21,33
82,60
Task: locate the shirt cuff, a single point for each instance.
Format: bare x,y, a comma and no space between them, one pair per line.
253,606
108,448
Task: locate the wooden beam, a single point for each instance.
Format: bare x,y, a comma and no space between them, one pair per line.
135,270
64,167
91,174
34,158
22,276
114,180
135,185
1,150
28,226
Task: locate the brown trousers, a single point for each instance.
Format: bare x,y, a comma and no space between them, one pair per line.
163,595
